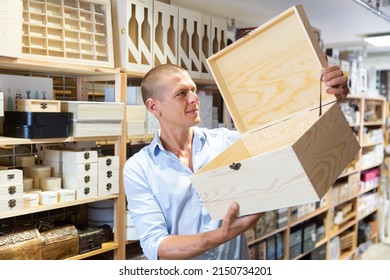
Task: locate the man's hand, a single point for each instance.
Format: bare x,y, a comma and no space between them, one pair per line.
335,81
232,225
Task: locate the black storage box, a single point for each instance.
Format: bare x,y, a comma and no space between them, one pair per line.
35,125
295,243
90,239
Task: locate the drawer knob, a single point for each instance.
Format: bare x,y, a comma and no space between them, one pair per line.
109,174
87,179
11,203
86,190
109,186
108,162
86,155
11,189
87,167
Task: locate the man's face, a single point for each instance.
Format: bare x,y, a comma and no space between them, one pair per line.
179,103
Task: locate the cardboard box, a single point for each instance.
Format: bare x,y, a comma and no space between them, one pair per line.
295,140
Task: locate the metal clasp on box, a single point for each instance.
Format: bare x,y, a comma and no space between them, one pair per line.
235,165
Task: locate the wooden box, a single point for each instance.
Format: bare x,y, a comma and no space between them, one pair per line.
11,176
38,105
135,119
295,141
20,244
90,239
85,191
11,204
94,118
65,195
79,157
60,242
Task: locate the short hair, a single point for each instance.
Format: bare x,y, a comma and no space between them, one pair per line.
152,80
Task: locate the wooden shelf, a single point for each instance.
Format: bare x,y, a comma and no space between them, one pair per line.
59,68
41,208
267,235
10,141
344,226
309,216
106,247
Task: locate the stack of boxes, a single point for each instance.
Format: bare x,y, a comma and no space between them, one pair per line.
79,169
11,190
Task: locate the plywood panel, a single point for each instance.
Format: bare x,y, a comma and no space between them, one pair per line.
271,73
11,28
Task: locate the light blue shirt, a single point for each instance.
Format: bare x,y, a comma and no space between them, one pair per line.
162,200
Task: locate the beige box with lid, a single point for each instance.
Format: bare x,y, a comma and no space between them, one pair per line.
38,105
94,118
294,140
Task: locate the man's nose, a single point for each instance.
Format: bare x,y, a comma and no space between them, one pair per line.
193,97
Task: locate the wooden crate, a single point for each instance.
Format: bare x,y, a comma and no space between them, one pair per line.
94,118
295,141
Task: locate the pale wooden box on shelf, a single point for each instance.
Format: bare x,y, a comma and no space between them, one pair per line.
289,152
94,118
38,105
135,120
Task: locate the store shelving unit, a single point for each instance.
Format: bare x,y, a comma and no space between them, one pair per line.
349,202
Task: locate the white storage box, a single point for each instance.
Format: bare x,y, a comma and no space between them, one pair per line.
27,183
77,157
86,192
11,176
50,183
24,161
48,197
65,195
11,204
30,200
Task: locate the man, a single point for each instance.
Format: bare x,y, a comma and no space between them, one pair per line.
168,215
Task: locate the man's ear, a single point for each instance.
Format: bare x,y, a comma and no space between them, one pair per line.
152,106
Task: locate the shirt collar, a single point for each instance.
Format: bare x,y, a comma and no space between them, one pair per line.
198,141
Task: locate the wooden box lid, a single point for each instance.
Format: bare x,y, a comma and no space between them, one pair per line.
272,73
